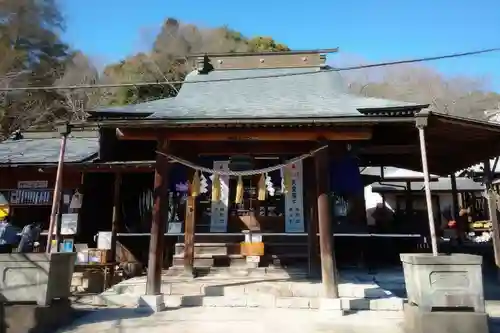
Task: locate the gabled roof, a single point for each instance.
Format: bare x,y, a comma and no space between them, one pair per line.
262,93
44,149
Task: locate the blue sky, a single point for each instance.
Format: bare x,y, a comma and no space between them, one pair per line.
374,30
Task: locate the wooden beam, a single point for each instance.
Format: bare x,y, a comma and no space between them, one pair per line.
248,134
189,226
114,225
259,148
389,149
160,197
328,270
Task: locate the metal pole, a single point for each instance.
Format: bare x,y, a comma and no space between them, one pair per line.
492,209
65,131
428,198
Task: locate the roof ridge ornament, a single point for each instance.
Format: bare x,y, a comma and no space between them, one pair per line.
204,65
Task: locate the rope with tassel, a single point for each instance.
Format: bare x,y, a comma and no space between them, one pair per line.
216,184
240,173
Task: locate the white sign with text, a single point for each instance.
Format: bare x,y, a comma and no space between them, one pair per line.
294,203
219,210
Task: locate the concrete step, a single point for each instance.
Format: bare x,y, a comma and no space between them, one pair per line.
210,248
278,248
270,301
211,260
235,288
259,301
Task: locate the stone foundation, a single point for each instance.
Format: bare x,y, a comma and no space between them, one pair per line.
23,318
418,321
265,288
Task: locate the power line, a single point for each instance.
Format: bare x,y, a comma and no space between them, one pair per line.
143,84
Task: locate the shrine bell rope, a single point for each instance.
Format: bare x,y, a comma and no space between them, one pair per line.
241,173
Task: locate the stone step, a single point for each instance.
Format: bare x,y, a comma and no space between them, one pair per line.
392,305
235,288
209,260
210,248
291,249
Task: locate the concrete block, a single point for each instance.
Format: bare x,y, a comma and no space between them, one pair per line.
276,289
387,304
172,301
355,304
418,321
444,281
221,290
151,303
219,301
261,301
330,304
305,289
22,318
293,302
192,300
314,303
187,289
331,308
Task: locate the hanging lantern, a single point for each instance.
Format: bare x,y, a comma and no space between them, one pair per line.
287,180
195,185
262,188
239,191
216,188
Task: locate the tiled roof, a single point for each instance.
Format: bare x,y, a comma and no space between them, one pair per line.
319,93
46,150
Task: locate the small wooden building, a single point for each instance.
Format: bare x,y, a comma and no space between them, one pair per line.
28,164
265,109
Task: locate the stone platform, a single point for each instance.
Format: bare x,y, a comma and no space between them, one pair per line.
262,288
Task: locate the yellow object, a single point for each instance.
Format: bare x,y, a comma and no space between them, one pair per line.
216,191
287,180
239,191
195,185
252,249
4,211
262,188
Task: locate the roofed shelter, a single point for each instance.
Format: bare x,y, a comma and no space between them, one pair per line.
273,107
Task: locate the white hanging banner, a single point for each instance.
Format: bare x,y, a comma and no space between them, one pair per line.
219,210
294,200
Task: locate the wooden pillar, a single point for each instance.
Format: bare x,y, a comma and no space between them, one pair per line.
189,225
158,221
454,193
328,269
312,226
64,131
114,224
492,209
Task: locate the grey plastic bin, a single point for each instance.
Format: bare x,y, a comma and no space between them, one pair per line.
444,282
36,277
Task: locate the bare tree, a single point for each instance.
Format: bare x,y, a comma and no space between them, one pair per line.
79,71
462,96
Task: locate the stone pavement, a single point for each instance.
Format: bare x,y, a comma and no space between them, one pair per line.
242,320
125,318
